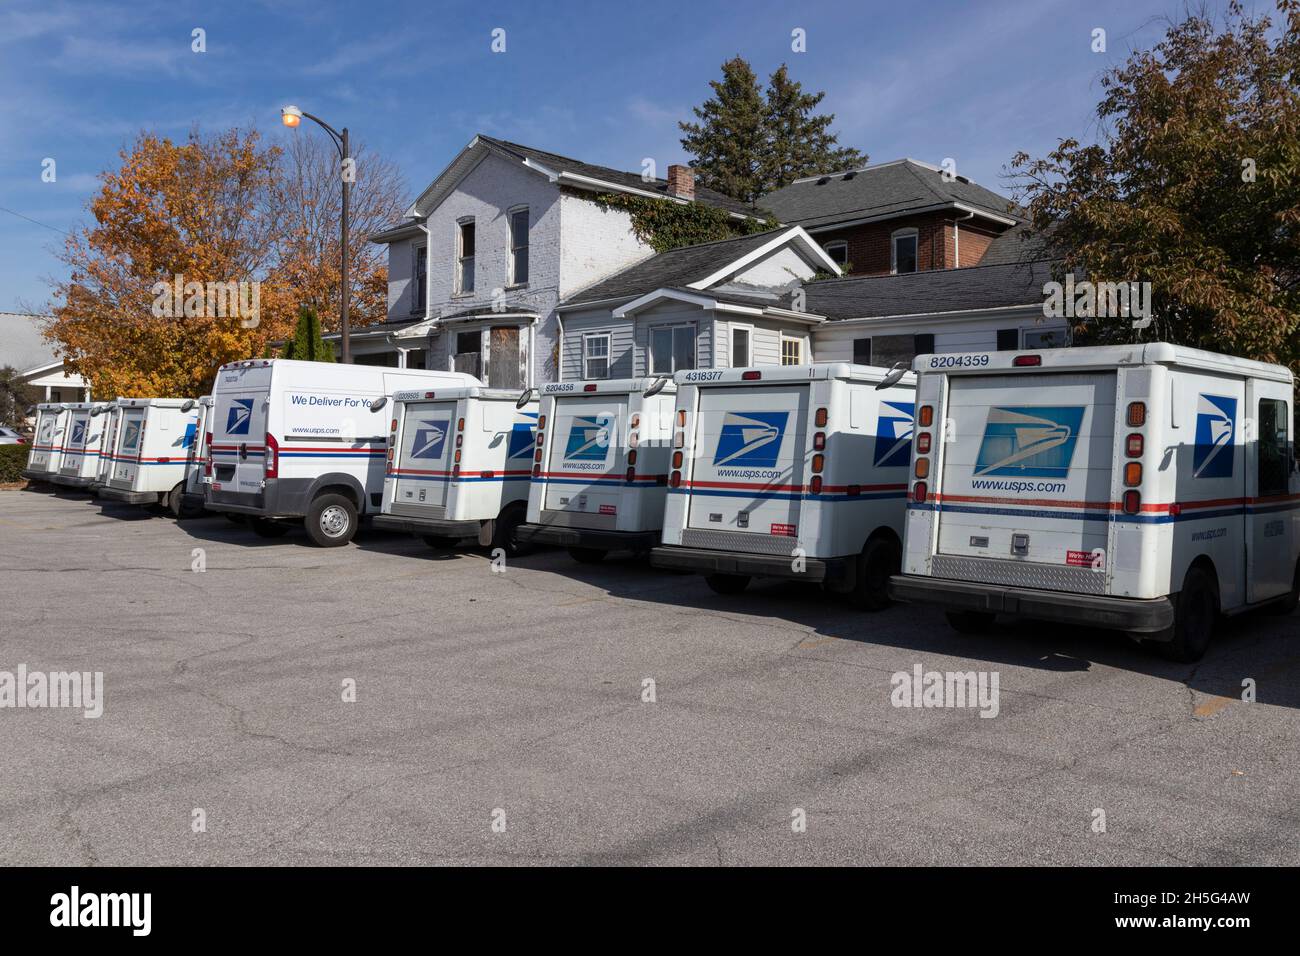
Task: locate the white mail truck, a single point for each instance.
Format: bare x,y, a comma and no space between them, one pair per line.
297,442
796,472
150,450
109,415
79,464
196,480
46,455
600,469
459,463
1145,488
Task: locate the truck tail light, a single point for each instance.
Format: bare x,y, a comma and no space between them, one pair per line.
455,471
460,424
460,440
750,376
920,492
393,426
681,418
1133,446
537,456
631,457
818,463
816,485
819,441
677,459
1137,414
675,480
541,422
1027,361
590,387
923,467
636,421
1133,473
207,455
1132,502
271,463
679,440
456,459
821,418
631,475
925,418
390,454
539,439
537,470
923,443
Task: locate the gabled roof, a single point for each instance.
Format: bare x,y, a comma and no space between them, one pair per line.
882,191
699,266
927,293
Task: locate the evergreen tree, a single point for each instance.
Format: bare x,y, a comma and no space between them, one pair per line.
746,145
307,344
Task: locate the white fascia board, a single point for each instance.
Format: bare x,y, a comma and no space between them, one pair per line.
809,318
793,234
946,316
659,295
600,185
913,211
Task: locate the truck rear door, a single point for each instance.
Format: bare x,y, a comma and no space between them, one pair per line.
748,471
130,444
422,462
238,436
1027,462
79,432
586,464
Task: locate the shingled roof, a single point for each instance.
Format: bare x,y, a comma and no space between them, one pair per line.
924,293
882,191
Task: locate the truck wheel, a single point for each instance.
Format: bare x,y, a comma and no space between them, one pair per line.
587,555
504,533
440,542
174,501
1196,610
331,521
969,622
879,560
727,583
266,528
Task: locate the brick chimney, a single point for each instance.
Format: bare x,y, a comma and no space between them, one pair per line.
681,182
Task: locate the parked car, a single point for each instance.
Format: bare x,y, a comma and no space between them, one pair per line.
9,436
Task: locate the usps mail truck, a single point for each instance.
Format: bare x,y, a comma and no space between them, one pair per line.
109,415
795,472
297,442
79,464
196,479
1144,488
600,469
46,456
459,462
150,451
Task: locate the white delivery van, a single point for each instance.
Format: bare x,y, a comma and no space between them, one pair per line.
600,470
795,472
46,455
150,450
109,415
1144,488
196,479
79,464
298,441
459,462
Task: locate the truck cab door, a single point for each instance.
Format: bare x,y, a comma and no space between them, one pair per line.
1270,475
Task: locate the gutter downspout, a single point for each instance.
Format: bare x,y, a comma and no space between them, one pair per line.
956,239
559,352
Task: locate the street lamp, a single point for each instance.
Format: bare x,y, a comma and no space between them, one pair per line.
291,117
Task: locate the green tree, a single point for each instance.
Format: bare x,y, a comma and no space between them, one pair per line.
1193,186
307,344
16,396
746,144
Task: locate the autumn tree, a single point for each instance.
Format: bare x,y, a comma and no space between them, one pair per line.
1193,186
747,144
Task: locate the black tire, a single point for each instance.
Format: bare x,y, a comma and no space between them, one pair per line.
1196,611
727,583
234,518
174,507
505,531
587,555
439,542
880,560
970,622
266,528
331,521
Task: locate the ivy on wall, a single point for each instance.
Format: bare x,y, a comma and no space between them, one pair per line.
671,225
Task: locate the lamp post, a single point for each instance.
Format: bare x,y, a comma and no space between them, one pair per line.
291,116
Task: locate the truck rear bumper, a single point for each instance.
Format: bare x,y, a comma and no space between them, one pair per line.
703,561
1140,615
422,526
71,481
594,538
35,475
128,497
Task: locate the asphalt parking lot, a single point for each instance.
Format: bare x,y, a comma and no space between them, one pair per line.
516,697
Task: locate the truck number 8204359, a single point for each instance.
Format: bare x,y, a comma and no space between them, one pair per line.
958,361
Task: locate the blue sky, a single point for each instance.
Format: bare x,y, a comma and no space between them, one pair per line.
602,82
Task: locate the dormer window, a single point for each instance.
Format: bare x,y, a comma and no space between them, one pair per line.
903,258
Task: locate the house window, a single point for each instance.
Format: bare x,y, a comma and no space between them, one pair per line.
791,351
1047,339
595,355
904,251
672,348
862,351
838,252
1009,340
465,257
519,247
468,357
742,337
421,280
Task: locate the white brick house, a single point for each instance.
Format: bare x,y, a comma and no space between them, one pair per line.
493,245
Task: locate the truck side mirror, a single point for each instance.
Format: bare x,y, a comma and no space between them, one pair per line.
379,403
656,386
525,397
896,373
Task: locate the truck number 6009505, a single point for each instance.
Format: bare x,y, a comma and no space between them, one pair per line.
958,361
